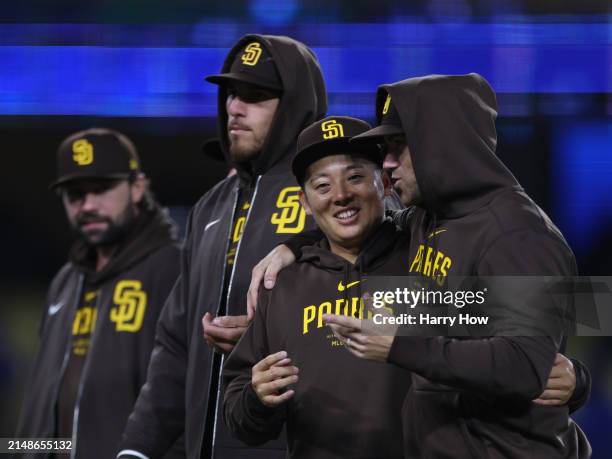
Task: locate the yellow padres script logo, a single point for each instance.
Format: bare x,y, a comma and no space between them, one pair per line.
332,129
251,55
291,218
387,104
84,321
239,227
430,263
312,318
82,152
131,303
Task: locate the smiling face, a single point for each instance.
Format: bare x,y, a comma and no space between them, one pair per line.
345,195
250,112
102,211
398,164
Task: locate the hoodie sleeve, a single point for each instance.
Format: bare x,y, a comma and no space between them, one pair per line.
504,364
158,418
245,415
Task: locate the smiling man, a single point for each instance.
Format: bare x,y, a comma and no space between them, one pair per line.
288,369
98,331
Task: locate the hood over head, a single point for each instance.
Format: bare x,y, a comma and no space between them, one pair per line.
449,123
302,102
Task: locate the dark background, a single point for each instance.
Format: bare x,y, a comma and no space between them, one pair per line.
550,62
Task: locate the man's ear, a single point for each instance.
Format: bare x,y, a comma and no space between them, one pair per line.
138,188
304,202
387,184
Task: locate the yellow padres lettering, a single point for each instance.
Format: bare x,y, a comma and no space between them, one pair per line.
431,265
131,302
251,54
387,104
332,129
313,314
351,307
82,152
292,217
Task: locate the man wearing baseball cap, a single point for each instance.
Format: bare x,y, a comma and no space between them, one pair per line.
269,89
98,330
470,216
288,369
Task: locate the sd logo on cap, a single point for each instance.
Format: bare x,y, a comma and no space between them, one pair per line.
331,136
96,153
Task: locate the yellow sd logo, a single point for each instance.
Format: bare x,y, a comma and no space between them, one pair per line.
131,303
292,217
251,55
387,105
332,129
82,152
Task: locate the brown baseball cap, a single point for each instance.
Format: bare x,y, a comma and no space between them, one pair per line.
254,65
331,136
96,153
390,124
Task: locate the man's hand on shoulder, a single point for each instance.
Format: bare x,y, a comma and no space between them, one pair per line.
222,333
267,270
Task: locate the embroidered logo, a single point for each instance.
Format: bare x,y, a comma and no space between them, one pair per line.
332,129
131,302
291,216
82,152
251,54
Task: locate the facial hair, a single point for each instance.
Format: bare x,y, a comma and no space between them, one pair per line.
114,232
243,153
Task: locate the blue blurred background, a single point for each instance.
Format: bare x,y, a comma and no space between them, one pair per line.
138,66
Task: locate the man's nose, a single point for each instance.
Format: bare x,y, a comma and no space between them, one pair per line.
390,162
342,194
236,106
90,201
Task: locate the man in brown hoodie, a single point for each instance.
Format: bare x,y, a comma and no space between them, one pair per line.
98,332
288,369
471,217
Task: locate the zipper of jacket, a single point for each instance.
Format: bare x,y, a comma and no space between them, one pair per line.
229,290
212,365
75,417
79,290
